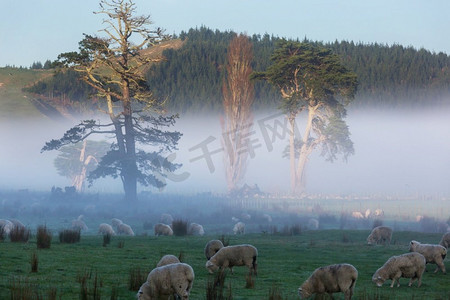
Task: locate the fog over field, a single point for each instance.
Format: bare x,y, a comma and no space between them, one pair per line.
396,152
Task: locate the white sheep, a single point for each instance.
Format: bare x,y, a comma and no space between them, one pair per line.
163,229
313,224
408,265
212,247
164,281
380,235
78,224
116,222
357,215
6,225
330,279
239,228
167,260
230,256
434,254
196,229
445,241
17,224
125,229
166,219
106,229
379,212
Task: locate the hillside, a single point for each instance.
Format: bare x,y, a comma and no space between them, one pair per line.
14,103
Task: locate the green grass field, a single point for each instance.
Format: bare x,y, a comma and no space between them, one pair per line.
284,262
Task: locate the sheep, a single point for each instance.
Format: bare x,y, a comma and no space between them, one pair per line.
212,247
433,253
167,260
166,219
330,279
313,224
408,265
379,212
116,222
106,229
163,229
125,229
445,241
196,229
380,235
6,225
357,215
164,281
78,224
230,256
17,224
239,228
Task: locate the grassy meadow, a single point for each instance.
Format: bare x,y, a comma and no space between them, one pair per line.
284,262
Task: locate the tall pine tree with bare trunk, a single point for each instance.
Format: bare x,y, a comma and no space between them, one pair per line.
312,82
238,94
114,65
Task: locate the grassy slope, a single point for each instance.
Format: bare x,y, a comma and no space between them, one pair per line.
283,261
13,102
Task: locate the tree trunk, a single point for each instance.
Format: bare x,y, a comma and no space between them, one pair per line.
291,119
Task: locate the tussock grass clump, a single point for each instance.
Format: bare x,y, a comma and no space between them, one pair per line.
2,234
89,291
136,279
215,287
225,242
249,282
106,239
275,293
21,289
34,262
120,244
69,236
180,227
19,234
43,237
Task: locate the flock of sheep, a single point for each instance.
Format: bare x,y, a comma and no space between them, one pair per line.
174,278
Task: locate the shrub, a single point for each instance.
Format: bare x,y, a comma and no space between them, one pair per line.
69,236
180,227
43,237
137,277
19,234
34,262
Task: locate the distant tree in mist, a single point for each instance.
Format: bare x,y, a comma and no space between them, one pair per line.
238,96
312,81
113,65
77,160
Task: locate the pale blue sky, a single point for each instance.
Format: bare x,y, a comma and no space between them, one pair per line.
37,30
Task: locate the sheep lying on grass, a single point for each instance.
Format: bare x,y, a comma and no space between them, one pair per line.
212,247
445,241
163,229
408,265
162,282
106,229
434,254
330,279
228,257
380,235
196,229
125,229
167,260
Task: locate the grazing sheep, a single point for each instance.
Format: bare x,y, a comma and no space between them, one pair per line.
330,279
163,229
434,254
78,224
6,225
106,229
17,224
230,256
379,212
357,215
313,224
380,235
116,222
212,247
445,241
367,213
408,265
125,229
167,260
162,282
166,219
239,228
196,229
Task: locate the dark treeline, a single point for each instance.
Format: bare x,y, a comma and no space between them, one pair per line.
191,77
